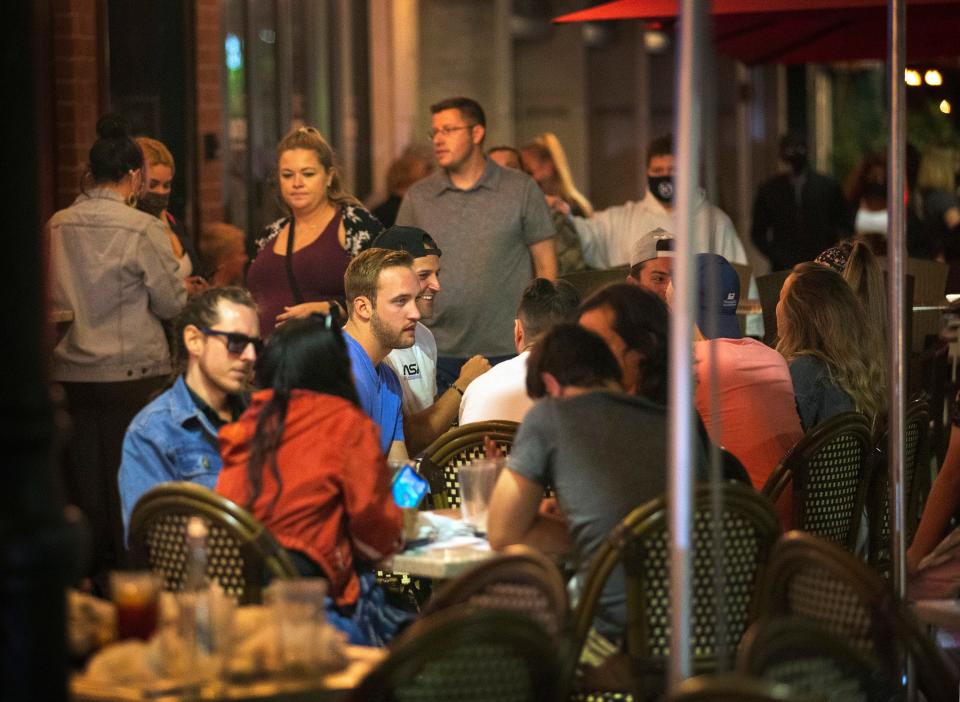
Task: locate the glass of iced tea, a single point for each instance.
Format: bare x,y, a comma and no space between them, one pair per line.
136,595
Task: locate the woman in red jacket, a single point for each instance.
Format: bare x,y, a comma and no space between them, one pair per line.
306,461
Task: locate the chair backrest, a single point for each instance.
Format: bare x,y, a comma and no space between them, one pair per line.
440,462
769,286
518,580
812,661
929,279
748,530
814,579
732,687
466,655
828,469
241,552
589,281
916,442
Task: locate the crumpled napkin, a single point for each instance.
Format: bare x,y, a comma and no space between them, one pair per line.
436,527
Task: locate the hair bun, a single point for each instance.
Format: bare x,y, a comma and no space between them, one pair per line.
112,126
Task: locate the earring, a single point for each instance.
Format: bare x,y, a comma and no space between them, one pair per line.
132,199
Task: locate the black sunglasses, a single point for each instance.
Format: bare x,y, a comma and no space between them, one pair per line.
236,343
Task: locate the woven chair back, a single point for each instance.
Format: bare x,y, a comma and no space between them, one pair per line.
242,554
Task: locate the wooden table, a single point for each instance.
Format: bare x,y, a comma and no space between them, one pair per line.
336,686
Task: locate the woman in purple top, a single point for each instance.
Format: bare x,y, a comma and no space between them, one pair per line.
302,258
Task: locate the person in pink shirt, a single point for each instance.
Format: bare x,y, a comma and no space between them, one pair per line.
755,416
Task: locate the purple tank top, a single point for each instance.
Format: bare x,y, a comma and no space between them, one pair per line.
318,269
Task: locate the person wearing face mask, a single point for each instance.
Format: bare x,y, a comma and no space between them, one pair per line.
112,267
609,236
797,213
155,199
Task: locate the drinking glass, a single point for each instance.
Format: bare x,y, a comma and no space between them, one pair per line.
136,595
300,613
477,479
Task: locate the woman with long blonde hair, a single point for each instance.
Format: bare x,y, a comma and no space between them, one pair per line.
303,256
830,347
546,162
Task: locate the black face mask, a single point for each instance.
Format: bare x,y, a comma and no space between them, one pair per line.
874,190
153,203
661,187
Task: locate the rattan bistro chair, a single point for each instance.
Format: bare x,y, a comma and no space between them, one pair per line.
812,661
242,554
819,581
440,461
828,469
749,528
916,446
466,655
519,580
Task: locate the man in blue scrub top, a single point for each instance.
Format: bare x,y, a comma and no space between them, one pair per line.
381,290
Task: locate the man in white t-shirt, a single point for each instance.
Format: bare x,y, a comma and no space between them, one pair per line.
425,416
501,393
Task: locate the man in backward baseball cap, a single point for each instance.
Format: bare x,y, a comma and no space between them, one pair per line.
425,416
651,262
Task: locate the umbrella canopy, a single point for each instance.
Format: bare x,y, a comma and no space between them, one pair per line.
803,31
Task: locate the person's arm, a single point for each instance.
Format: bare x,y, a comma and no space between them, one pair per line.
398,452
941,504
515,517
165,289
544,256
374,521
143,465
423,427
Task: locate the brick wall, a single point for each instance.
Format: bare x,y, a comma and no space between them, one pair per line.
76,90
209,104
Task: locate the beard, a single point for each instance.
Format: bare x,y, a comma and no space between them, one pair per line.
389,338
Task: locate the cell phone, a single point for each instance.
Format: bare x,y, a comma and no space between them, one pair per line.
408,487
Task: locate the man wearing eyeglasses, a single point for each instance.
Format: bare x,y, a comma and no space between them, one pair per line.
175,436
497,235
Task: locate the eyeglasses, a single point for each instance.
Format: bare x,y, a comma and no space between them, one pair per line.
447,131
236,343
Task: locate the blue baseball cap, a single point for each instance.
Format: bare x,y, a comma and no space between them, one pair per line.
721,301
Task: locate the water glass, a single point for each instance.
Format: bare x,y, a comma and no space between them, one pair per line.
476,487
299,608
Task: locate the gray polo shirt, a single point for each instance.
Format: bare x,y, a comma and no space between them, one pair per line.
484,233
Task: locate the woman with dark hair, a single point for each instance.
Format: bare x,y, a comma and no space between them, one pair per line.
305,460
830,346
302,257
634,323
113,269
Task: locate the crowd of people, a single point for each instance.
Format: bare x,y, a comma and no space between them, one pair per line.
293,385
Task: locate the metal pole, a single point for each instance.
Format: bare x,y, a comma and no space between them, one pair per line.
687,147
896,256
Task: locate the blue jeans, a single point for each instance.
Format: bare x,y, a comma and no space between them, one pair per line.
448,369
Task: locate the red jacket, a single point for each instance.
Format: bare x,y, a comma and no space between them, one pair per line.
335,502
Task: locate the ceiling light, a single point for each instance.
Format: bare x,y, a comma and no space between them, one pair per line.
911,77
933,77
945,107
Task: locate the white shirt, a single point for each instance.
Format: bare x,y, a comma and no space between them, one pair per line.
500,393
609,235
417,369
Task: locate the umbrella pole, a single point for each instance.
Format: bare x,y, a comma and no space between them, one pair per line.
896,255
680,490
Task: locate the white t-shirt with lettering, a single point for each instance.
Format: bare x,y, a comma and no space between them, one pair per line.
417,369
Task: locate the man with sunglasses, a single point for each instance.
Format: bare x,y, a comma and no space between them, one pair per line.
175,437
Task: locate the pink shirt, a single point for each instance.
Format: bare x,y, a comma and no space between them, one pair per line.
757,412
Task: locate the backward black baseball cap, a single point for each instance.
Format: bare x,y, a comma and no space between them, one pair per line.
413,240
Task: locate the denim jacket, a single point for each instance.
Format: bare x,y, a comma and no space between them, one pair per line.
170,439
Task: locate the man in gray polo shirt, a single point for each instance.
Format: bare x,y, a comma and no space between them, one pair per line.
496,232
